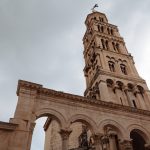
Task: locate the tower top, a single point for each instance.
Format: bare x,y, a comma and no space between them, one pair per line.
94,16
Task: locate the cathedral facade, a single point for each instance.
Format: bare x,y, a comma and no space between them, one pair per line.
114,113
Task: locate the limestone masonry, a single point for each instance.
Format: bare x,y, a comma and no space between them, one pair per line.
114,113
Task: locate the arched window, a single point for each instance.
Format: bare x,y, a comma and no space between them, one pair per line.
112,32
103,44
130,86
138,141
101,19
120,85
106,43
121,101
117,47
141,90
134,103
111,66
108,30
109,82
99,28
123,69
114,47
102,29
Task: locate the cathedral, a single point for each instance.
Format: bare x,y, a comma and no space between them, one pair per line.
113,114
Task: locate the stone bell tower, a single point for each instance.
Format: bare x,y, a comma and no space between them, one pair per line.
110,72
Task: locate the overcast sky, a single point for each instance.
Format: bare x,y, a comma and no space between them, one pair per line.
41,41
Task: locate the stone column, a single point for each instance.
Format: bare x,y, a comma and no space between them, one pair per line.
31,129
146,100
104,91
97,141
105,142
140,101
65,138
128,96
112,140
126,145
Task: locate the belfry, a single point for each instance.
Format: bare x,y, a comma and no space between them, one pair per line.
113,114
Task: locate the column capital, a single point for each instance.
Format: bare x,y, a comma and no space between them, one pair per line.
126,144
112,134
105,139
97,137
65,133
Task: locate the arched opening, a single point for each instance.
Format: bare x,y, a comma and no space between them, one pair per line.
123,69
141,90
81,136
46,134
109,82
130,86
113,136
83,128
53,140
38,138
111,65
138,141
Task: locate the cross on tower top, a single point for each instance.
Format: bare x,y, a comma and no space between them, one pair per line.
93,9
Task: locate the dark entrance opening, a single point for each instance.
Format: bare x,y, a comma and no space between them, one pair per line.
137,141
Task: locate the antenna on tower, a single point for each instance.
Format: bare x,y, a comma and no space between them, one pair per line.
93,9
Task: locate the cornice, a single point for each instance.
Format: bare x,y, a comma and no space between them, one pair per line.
27,85
108,105
123,77
7,126
80,99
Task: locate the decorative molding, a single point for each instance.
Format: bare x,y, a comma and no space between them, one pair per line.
8,126
81,99
27,85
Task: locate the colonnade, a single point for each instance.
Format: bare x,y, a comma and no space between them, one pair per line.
102,142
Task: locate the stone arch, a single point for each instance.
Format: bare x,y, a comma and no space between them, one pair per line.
51,113
113,124
120,84
109,82
140,130
140,88
84,119
130,86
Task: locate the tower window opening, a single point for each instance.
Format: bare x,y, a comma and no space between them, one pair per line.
112,32
121,101
134,104
117,46
106,43
101,19
99,28
123,69
111,66
114,47
108,30
102,29
103,44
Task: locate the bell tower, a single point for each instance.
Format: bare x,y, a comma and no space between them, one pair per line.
110,72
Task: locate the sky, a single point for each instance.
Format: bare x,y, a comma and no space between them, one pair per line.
41,42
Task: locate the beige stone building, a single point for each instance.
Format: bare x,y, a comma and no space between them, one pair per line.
114,113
